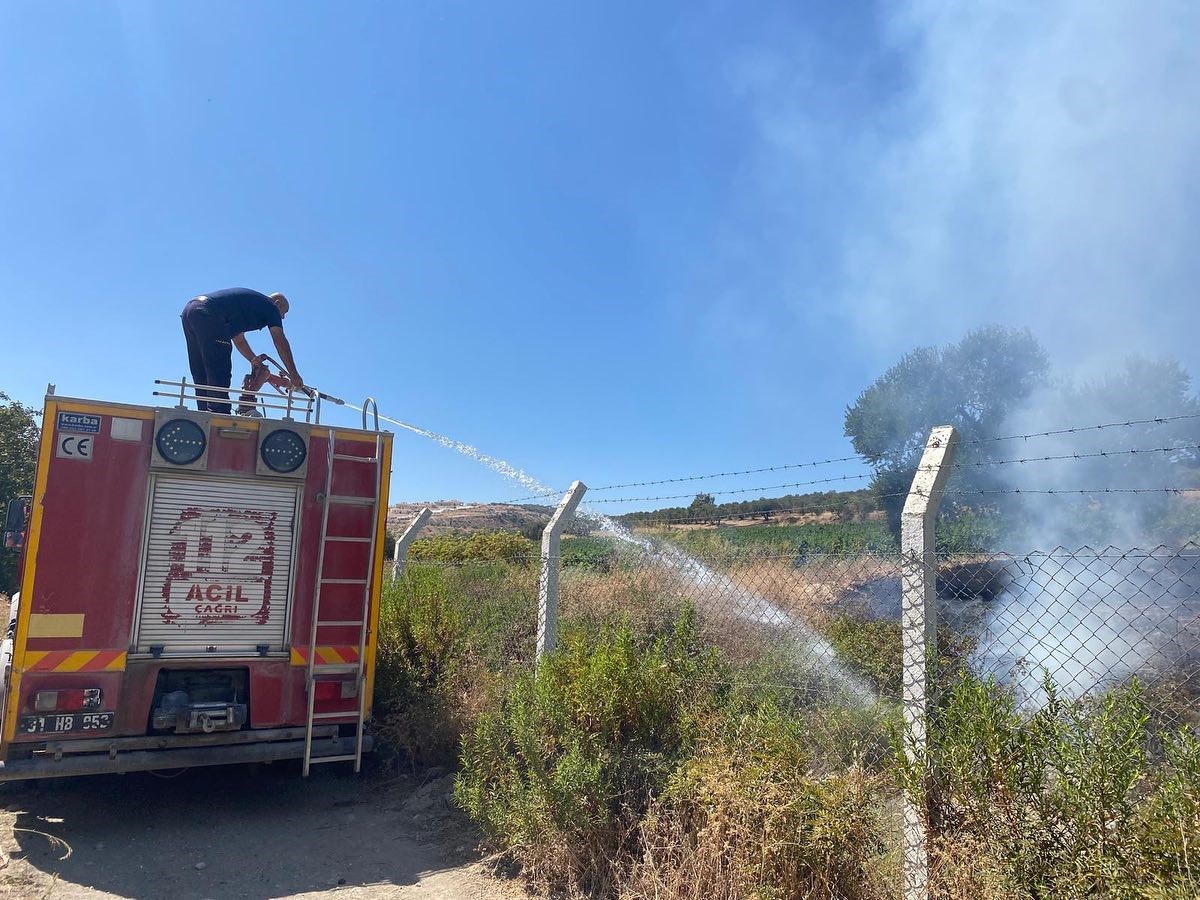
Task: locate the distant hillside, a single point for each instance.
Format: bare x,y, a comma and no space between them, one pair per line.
483,517
790,509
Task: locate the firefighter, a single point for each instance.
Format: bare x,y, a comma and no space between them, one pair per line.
215,323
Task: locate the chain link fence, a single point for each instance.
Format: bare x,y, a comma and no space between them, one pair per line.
1076,623
1040,664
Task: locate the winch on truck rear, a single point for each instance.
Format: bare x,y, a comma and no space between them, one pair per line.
190,702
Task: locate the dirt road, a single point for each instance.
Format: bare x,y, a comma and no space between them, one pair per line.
238,833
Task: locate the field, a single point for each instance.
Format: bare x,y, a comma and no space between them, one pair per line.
732,730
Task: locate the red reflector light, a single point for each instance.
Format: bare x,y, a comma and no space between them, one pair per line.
72,699
335,690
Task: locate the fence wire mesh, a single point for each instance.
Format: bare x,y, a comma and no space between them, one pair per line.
1077,623
824,628
1043,661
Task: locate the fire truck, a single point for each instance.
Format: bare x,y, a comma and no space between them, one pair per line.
196,588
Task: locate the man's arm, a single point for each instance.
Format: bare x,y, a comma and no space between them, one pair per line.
285,354
239,341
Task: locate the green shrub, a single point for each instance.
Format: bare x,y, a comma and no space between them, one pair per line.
748,816
870,647
563,771
967,533
481,546
420,668
590,553
1063,801
743,543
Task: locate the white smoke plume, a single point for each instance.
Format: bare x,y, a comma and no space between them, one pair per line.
1036,165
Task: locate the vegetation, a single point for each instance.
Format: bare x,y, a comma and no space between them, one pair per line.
479,546
963,534
569,763
642,759
973,385
18,459
846,505
758,540
1071,800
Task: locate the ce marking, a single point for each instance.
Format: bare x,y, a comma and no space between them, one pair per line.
75,446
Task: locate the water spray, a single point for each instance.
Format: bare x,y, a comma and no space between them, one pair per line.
754,609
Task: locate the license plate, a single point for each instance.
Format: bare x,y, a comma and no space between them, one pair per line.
61,723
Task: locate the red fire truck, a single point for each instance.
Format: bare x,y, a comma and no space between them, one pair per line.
196,589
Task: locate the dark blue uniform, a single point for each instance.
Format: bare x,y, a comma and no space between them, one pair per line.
209,323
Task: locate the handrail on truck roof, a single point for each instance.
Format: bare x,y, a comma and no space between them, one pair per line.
306,403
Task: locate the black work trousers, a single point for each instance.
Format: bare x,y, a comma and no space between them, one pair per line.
210,354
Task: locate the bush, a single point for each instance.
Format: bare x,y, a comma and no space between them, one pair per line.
1064,801
748,542
591,554
419,709
564,770
869,647
967,533
481,546
747,817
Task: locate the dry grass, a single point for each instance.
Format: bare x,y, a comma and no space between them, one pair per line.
812,590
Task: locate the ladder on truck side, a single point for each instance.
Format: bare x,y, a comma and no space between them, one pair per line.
317,669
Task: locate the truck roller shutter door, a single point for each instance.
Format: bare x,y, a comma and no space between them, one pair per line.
217,567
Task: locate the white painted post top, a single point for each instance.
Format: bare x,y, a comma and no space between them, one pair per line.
932,471
566,508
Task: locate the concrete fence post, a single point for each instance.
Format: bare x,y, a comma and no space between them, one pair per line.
401,556
918,622
547,636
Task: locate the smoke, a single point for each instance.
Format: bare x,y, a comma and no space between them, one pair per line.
1048,177
1089,601
1029,164
1128,471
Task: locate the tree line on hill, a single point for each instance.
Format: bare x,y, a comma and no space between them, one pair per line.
846,505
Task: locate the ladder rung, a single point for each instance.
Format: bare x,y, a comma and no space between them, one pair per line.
347,540
330,668
324,759
336,623
349,713
343,581
352,458
354,501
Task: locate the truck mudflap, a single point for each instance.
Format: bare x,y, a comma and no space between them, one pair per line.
137,755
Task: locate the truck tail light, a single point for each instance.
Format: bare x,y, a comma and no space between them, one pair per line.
70,700
335,690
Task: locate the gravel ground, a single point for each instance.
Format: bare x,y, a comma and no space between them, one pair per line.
239,832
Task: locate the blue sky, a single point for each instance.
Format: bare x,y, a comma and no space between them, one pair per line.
607,241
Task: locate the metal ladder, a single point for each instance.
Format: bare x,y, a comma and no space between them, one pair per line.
316,669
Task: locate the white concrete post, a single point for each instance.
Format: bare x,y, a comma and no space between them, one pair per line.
407,538
918,622
547,636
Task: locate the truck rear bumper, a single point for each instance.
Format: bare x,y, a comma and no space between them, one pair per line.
119,761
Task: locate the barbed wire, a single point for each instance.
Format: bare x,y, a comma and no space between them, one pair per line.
683,478
1064,456
746,514
1157,420
1019,490
845,478
1078,429
749,490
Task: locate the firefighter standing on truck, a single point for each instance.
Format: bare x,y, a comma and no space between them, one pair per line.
215,323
